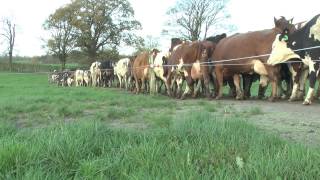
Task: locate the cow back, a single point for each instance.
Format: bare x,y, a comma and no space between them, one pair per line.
141,65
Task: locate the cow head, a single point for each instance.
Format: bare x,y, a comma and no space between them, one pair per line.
217,38
280,50
283,24
154,53
174,43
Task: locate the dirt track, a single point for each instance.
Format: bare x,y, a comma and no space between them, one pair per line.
291,120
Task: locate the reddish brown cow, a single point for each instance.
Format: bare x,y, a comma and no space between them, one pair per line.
191,61
170,70
246,45
130,75
141,69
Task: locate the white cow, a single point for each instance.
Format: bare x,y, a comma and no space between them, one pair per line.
158,69
70,81
121,71
95,68
87,78
78,77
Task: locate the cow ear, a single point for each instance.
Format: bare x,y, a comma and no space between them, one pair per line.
275,20
291,21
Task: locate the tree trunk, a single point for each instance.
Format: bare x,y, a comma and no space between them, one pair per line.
10,61
92,54
63,63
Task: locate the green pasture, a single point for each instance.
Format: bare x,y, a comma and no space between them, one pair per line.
50,132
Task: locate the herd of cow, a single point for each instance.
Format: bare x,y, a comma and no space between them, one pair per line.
283,53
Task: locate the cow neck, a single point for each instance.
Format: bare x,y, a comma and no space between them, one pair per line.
277,30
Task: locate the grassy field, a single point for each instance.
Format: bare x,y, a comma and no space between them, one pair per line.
49,132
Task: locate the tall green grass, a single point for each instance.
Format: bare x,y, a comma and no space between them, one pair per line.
196,146
50,132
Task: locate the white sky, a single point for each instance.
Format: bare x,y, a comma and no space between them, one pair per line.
247,15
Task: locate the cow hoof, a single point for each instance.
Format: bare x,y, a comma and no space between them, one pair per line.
293,99
284,97
218,97
306,103
239,98
246,97
271,99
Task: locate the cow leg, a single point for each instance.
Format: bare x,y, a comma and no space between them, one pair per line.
274,76
236,82
179,83
125,82
219,75
163,80
173,86
295,71
280,90
318,91
143,85
232,89
206,82
312,81
168,83
302,82
196,90
263,83
137,85
158,86
189,87
247,83
120,81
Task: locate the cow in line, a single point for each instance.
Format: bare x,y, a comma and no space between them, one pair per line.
95,70
248,45
121,71
107,73
140,69
79,77
192,61
283,49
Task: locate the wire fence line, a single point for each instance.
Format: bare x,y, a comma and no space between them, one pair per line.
208,63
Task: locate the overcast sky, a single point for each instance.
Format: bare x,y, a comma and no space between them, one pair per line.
246,15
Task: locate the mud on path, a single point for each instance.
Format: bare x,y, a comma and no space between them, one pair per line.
290,120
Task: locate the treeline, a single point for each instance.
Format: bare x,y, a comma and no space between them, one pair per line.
25,67
48,63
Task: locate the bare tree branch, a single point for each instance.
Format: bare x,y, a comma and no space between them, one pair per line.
9,34
197,17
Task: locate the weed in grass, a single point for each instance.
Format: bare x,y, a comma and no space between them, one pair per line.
118,113
255,111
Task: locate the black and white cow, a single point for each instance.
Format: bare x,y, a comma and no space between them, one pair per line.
296,46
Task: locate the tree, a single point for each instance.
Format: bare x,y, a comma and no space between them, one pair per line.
196,17
103,24
9,34
63,34
148,43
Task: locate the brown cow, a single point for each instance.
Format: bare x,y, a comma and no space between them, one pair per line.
192,62
192,59
170,71
141,69
246,45
130,75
